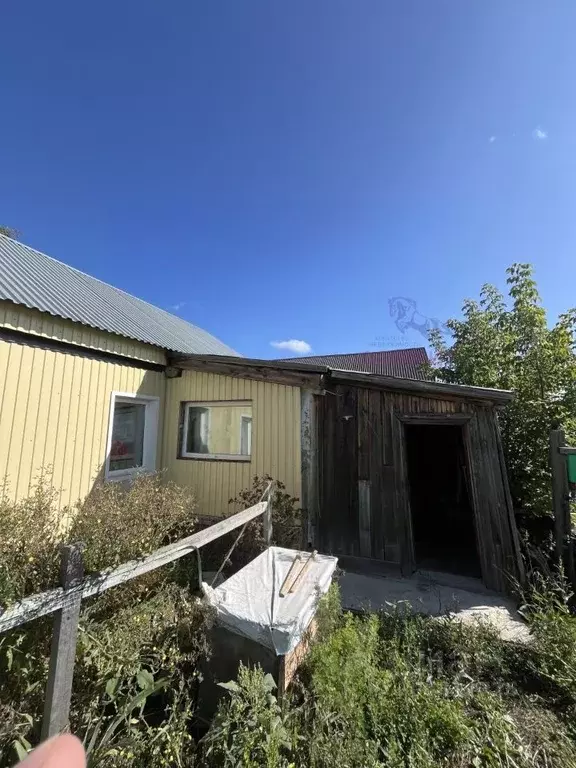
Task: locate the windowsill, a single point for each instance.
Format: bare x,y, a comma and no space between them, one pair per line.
214,457
118,477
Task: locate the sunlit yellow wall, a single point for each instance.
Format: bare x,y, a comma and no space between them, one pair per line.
54,410
275,437
18,318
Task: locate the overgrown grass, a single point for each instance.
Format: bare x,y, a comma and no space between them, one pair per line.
397,690
403,690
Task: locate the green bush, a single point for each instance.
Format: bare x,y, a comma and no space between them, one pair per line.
138,646
117,524
29,559
250,729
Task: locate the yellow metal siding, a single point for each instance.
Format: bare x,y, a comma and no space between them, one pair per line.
31,321
275,438
55,410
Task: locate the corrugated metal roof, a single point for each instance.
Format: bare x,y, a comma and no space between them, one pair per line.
404,363
37,281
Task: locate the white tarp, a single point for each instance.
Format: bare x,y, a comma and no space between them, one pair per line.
249,602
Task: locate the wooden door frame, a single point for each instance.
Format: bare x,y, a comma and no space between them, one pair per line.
408,556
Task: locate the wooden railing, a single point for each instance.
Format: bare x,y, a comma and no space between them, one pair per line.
65,601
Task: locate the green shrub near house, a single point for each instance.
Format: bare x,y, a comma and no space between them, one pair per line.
138,644
399,690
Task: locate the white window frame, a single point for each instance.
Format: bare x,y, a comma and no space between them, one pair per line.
184,454
246,417
150,441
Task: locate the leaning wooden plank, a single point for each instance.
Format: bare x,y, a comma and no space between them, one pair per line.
47,602
290,576
298,580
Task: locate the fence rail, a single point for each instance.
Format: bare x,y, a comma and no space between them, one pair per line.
65,601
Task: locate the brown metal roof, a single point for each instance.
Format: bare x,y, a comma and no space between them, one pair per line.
404,363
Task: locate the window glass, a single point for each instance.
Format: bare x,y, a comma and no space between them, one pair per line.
218,430
246,435
198,437
127,448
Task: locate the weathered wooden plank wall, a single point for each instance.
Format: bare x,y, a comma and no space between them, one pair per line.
364,506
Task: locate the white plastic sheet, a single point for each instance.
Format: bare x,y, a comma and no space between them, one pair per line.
249,602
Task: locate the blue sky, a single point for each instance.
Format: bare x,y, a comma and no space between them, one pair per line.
278,170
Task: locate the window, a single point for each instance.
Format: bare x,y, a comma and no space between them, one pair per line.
219,430
132,435
245,435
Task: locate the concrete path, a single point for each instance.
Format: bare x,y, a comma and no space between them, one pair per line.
435,594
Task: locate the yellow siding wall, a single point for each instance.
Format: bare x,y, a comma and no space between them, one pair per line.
54,410
20,318
275,438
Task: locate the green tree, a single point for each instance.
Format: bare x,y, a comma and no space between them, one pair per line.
9,232
507,343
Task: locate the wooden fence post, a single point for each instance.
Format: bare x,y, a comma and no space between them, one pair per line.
267,518
63,651
561,503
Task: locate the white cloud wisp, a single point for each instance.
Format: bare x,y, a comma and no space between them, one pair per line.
297,346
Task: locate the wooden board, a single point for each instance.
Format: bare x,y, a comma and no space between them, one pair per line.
364,499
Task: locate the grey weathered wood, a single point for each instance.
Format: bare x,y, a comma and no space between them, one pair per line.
309,466
403,514
394,384
47,602
259,370
63,652
267,522
516,551
558,467
435,418
270,370
561,505
365,534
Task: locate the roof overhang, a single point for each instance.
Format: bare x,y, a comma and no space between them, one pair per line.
319,377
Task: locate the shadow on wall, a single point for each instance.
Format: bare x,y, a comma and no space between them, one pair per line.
129,432
66,420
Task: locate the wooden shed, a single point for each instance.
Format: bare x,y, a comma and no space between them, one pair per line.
398,473
411,473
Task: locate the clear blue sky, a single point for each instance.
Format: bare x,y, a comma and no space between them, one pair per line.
281,168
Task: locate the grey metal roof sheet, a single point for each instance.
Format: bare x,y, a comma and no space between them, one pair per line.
38,281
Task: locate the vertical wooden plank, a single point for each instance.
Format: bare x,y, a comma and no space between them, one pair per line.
363,431
387,453
328,518
488,536
364,523
402,513
63,651
349,480
496,511
474,477
309,465
267,520
516,555
377,473
560,498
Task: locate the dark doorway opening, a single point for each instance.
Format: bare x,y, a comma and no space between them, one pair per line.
442,515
